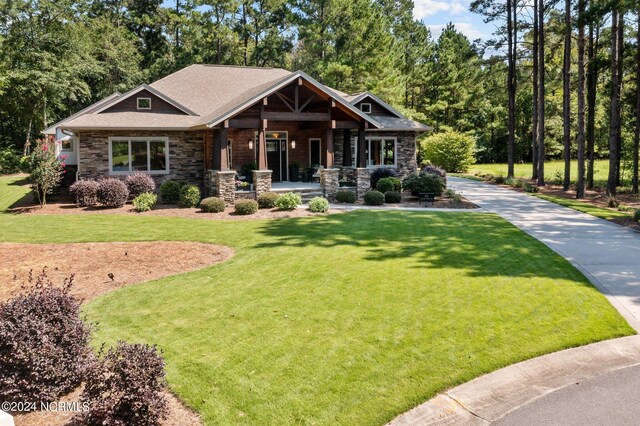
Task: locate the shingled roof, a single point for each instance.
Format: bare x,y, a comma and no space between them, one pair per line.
209,94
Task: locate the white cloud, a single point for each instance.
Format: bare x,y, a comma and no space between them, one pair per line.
424,8
464,27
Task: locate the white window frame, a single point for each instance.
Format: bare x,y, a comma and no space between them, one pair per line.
71,145
362,108
138,103
395,152
129,139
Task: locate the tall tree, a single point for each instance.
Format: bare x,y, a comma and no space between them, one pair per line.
592,85
541,93
581,100
566,95
511,81
534,126
614,117
636,136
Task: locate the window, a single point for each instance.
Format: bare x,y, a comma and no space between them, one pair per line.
144,103
366,108
150,155
66,144
381,152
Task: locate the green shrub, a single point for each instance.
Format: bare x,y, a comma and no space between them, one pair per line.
392,197
212,205
430,169
170,191
385,185
346,197
450,150
319,205
623,208
267,200
189,196
418,183
530,188
10,161
499,179
374,198
288,201
381,173
636,216
518,183
246,207
510,181
144,202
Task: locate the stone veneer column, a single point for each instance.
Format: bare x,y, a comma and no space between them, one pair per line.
210,183
261,181
226,186
329,182
363,182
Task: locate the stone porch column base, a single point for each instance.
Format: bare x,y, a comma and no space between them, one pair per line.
363,182
262,181
226,186
329,182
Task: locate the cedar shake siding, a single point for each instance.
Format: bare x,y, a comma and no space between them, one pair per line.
186,154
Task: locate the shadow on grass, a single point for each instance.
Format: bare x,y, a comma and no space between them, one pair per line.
484,245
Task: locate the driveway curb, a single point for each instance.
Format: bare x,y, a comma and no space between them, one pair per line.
488,398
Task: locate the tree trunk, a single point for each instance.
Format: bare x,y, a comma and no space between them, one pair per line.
636,136
511,88
27,141
534,126
620,81
592,80
581,83
541,94
566,96
614,122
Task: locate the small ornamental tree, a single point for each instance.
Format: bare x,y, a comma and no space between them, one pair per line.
452,151
45,171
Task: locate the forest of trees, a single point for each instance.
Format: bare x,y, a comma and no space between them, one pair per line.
559,80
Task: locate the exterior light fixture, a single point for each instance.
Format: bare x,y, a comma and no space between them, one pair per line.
293,144
250,144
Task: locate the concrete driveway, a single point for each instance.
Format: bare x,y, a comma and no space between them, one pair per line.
606,253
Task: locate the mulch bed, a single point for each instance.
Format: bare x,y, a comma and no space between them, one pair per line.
102,267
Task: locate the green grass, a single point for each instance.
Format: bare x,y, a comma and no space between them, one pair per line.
553,171
12,188
341,319
584,207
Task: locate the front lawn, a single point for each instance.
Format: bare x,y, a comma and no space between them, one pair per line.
343,319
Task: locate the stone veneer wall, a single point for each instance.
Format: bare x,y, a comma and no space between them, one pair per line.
363,182
186,154
329,183
261,181
405,150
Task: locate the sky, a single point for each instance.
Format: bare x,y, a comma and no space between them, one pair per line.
437,13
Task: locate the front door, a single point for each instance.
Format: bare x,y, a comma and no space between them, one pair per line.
277,156
315,152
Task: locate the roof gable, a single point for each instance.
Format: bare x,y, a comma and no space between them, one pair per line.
368,97
144,88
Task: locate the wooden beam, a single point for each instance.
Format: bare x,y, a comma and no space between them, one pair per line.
244,123
296,98
224,149
362,148
297,116
330,152
265,101
225,124
346,148
216,150
334,124
282,98
306,103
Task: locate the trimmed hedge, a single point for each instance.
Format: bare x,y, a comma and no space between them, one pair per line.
385,185
170,191
636,216
189,196
377,174
145,202
212,205
85,193
374,198
346,197
319,205
418,183
44,344
246,207
392,197
112,192
267,200
288,201
139,183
